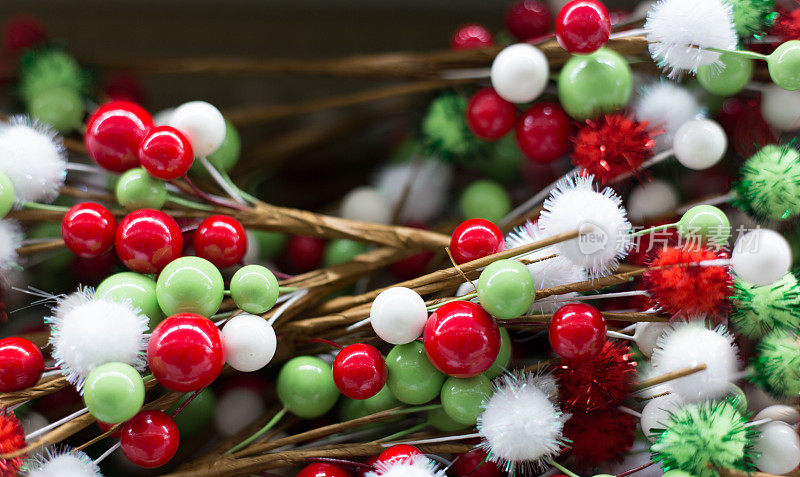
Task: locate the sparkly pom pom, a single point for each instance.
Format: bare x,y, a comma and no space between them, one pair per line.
759,310
596,384
770,183
699,435
33,156
63,463
674,289
612,145
600,436
446,131
777,363
751,17
12,438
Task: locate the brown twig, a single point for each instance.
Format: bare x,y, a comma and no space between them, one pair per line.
670,376
54,244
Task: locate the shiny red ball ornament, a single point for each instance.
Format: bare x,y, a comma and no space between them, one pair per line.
21,364
588,385
12,438
528,20
471,36
543,132
359,371
166,153
612,145
489,116
221,240
185,352
411,267
22,33
475,464
147,240
398,453
461,339
88,229
362,471
150,439
577,331
113,135
474,239
590,434
323,469
304,252
583,26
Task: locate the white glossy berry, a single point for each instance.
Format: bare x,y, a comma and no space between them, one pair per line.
761,257
700,144
657,412
249,342
236,409
779,412
366,204
651,199
202,124
519,73
398,315
781,108
777,448
647,334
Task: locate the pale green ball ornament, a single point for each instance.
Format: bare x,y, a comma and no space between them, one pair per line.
589,85
443,422
190,285
60,107
784,65
728,78
113,392
500,364
6,195
484,199
306,387
412,377
707,223
136,189
138,289
254,289
463,399
506,289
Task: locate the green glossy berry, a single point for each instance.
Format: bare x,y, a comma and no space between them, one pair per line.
412,378
270,244
589,85
61,108
139,289
506,289
226,156
197,415
485,199
6,195
443,422
500,364
728,80
342,250
113,392
706,223
306,387
136,189
380,402
190,285
463,399
254,289
350,409
784,65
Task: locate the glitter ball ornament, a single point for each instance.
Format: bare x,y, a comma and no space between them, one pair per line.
612,145
113,134
706,434
673,288
63,463
759,310
12,438
598,383
591,436
777,363
21,364
33,156
769,183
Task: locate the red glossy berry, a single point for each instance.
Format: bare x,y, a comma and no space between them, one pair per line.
166,153
88,229
411,267
461,339
398,453
125,87
528,19
113,135
323,469
474,464
489,116
150,438
583,26
221,240
543,132
21,364
185,352
147,240
304,252
471,36
105,427
22,33
474,239
577,331
359,371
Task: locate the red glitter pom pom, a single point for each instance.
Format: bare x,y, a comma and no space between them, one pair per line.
600,436
787,24
12,438
600,383
612,145
689,291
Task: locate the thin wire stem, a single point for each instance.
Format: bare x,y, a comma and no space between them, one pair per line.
269,425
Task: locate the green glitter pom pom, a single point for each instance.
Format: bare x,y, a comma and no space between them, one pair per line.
699,435
751,17
769,188
760,310
777,363
446,132
44,70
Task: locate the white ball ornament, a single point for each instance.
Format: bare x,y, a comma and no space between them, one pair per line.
520,73
366,204
781,108
657,412
249,342
398,315
236,409
647,334
779,412
202,124
777,448
651,199
761,257
700,144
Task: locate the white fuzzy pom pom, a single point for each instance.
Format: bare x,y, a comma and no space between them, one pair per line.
414,466
666,106
73,463
10,240
689,344
86,332
430,183
605,238
681,31
32,155
521,425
